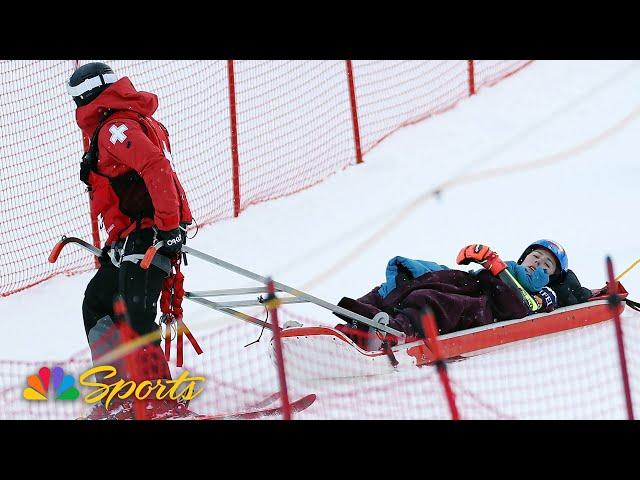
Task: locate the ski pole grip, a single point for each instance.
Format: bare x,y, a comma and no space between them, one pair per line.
53,256
149,254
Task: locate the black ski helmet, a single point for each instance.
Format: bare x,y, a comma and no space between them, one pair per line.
89,81
556,249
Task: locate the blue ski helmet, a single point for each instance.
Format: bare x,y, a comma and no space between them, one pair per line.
555,248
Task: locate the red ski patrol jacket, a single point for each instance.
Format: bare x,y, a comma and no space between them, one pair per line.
131,141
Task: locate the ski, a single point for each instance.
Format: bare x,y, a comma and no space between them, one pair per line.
259,405
265,402
296,406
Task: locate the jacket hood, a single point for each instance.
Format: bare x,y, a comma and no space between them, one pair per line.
120,95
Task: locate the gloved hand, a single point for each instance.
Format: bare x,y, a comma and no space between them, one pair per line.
104,256
173,241
546,299
483,255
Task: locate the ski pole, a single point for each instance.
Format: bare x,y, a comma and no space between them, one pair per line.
627,270
509,279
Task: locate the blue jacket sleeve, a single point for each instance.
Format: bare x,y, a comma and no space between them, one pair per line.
416,267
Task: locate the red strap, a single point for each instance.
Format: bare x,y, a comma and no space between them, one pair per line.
165,297
178,293
167,315
167,342
167,311
180,347
171,307
190,336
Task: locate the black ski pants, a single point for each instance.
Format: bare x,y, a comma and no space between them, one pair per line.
140,288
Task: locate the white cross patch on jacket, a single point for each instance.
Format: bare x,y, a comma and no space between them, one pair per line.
117,133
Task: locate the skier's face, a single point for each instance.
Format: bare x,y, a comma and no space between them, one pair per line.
540,258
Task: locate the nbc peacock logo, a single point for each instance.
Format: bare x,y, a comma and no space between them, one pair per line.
39,385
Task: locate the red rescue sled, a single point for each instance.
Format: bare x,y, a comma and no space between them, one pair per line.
322,352
338,356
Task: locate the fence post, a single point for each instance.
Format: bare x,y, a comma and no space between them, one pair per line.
354,111
272,306
431,335
234,139
614,301
127,335
472,80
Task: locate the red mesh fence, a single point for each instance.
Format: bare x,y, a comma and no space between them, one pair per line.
393,94
569,375
294,123
40,192
236,378
574,375
489,72
303,110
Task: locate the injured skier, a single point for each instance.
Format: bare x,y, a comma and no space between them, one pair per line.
538,282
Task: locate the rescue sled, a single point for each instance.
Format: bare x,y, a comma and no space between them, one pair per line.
338,356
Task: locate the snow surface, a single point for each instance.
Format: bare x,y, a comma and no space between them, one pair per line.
567,130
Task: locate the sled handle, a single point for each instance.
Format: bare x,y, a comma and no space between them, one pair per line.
149,254
53,256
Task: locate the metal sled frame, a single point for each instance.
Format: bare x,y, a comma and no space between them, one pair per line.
297,296
378,323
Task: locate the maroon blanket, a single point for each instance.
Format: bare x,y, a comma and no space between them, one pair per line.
459,300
